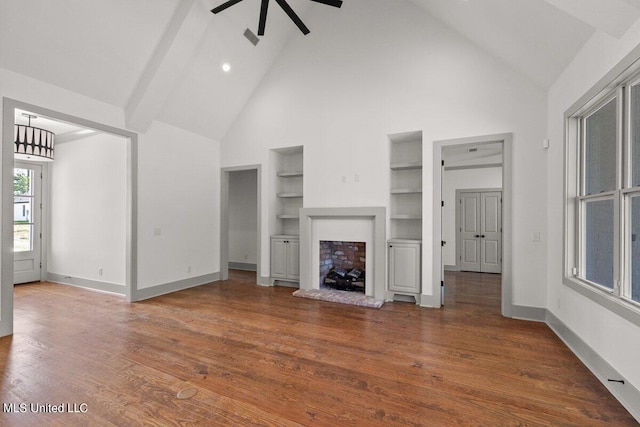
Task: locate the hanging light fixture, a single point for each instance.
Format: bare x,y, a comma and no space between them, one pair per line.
31,143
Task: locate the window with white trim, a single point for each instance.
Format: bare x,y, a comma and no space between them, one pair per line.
606,252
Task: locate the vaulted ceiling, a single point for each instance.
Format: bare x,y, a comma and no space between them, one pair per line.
161,59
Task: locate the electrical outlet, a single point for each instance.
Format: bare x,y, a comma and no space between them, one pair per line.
99,271
188,269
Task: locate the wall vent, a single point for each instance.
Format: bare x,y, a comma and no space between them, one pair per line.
251,37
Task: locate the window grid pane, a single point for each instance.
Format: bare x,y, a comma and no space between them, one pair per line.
600,142
635,135
598,242
22,237
634,237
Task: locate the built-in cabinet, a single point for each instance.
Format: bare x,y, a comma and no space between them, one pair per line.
405,204
285,258
404,269
287,200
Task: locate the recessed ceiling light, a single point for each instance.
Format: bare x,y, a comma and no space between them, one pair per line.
226,67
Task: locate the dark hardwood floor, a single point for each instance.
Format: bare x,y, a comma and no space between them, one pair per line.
259,356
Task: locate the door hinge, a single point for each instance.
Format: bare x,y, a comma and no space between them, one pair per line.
442,203
442,283
443,163
442,243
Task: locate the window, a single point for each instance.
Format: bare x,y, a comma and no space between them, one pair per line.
23,201
606,252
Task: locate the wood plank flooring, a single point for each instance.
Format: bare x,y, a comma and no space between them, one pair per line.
259,356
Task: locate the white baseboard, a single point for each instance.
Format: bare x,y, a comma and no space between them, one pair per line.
535,314
626,393
243,266
167,288
79,282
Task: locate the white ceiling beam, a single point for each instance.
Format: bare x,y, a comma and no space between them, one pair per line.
168,63
614,17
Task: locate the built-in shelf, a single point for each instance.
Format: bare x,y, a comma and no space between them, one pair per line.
290,195
290,174
287,183
406,191
405,166
405,185
405,216
286,216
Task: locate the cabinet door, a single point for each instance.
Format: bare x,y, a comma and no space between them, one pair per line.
293,260
404,267
278,258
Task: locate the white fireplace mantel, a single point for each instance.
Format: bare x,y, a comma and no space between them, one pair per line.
372,219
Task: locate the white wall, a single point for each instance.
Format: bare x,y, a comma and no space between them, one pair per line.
178,184
243,217
87,205
179,197
460,180
386,67
612,337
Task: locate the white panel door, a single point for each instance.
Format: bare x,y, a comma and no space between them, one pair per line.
27,220
480,232
491,232
470,232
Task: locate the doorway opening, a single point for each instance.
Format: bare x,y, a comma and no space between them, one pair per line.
472,219
128,192
240,245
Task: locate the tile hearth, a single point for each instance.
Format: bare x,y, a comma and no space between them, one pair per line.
341,297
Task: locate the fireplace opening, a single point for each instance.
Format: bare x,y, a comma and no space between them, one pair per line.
342,265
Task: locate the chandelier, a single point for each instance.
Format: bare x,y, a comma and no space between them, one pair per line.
32,143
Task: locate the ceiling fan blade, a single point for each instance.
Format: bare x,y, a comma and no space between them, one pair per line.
334,3
263,17
295,18
225,5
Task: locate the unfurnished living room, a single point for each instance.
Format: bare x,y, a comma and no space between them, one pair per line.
320,212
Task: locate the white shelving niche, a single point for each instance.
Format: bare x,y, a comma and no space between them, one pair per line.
405,193
287,198
406,185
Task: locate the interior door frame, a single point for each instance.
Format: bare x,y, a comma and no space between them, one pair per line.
224,218
6,212
459,219
435,299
